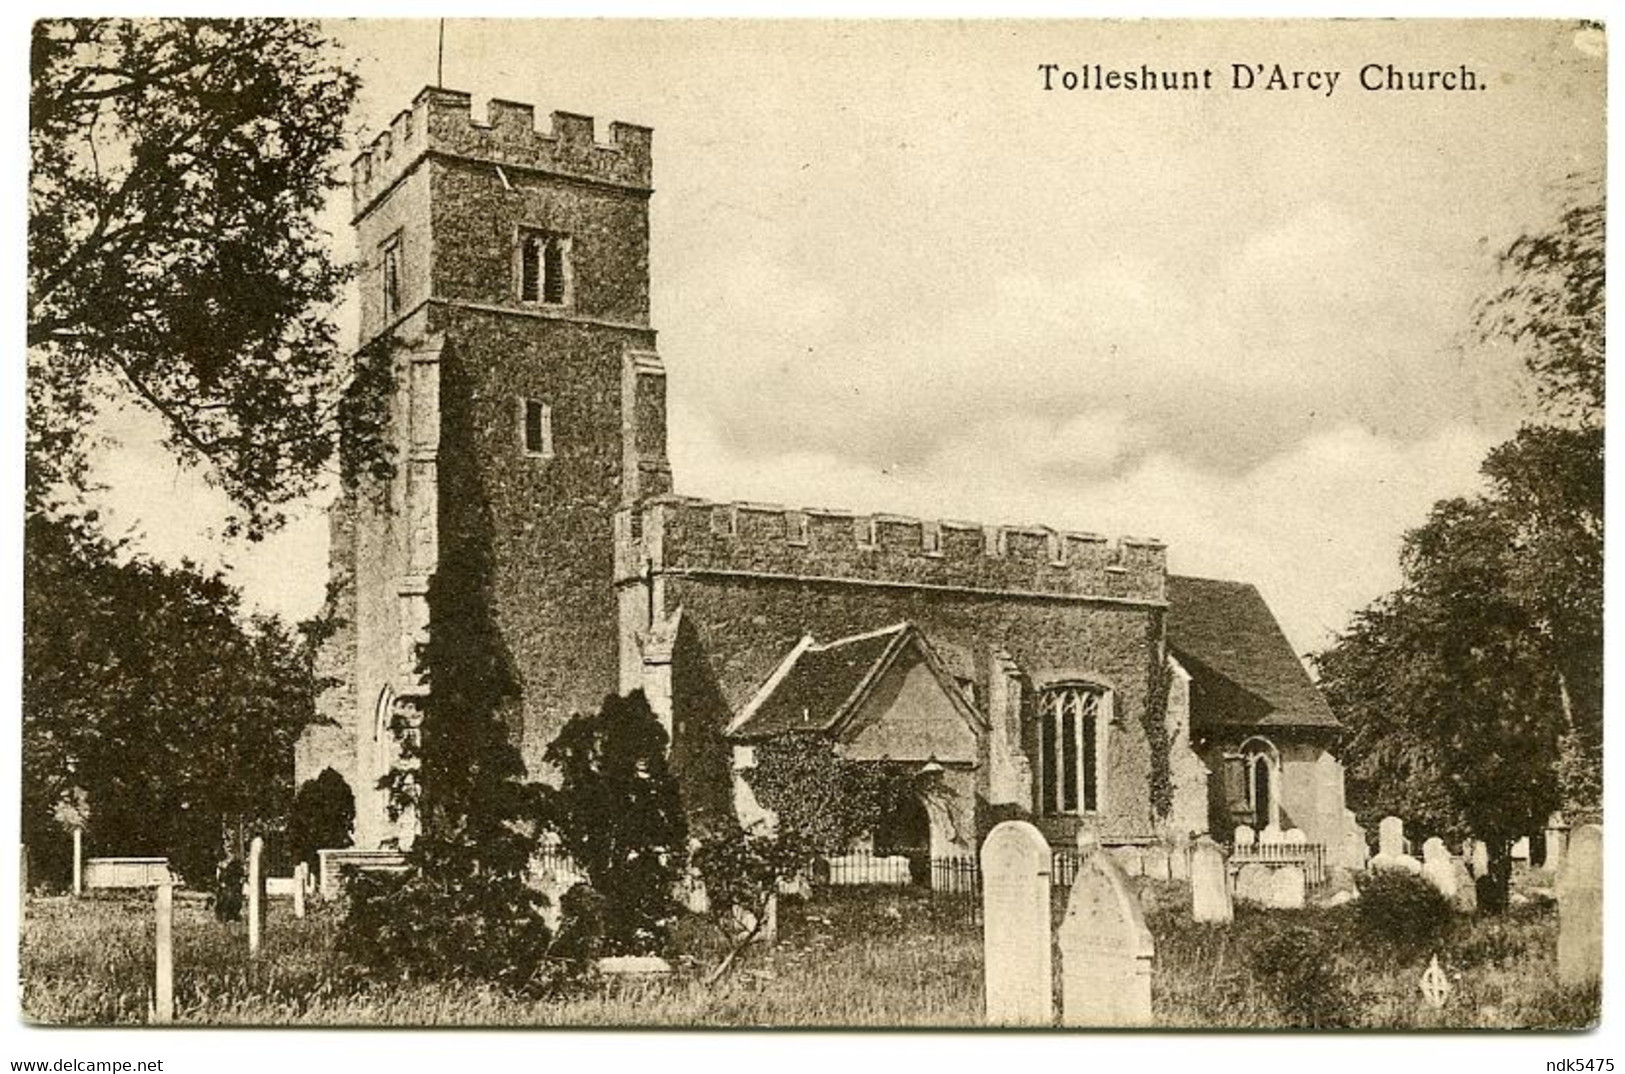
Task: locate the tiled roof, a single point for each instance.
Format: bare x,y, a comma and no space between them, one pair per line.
817,686
1243,670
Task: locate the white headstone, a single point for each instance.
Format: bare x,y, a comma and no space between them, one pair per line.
1520,849
1579,909
1154,863
1210,889
163,963
301,876
1129,859
1017,963
78,861
1244,836
1106,950
1438,868
1391,837
1557,839
1294,836
1286,888
256,893
1253,883
1179,861
1481,858
1465,900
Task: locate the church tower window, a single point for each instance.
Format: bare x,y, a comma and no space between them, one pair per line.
544,269
390,254
536,419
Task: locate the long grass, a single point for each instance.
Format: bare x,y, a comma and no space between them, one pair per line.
851,958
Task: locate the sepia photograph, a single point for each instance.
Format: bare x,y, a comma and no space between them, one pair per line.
1018,524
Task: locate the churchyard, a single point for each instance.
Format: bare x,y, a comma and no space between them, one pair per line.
883,955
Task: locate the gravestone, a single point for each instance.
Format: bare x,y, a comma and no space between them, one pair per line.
1210,888
1271,835
1179,861
1244,836
1253,883
1465,899
78,861
1155,863
1017,965
1481,858
1286,888
301,876
1106,950
1520,849
1126,858
1435,985
256,893
1355,851
1579,909
1391,849
1437,867
163,963
1294,837
1557,839
1391,837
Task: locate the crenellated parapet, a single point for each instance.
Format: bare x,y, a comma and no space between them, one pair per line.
442,121
683,535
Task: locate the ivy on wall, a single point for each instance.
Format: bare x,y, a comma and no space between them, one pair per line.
827,800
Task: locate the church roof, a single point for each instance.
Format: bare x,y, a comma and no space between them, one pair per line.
818,687
1243,670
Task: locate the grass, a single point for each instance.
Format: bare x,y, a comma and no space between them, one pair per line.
850,958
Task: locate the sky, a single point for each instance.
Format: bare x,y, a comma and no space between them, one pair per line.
891,272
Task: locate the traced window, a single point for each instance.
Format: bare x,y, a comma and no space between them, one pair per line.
1262,765
391,258
1072,736
544,268
536,419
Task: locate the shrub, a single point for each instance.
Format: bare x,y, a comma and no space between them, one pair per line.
1403,911
441,920
1297,970
322,817
618,813
580,937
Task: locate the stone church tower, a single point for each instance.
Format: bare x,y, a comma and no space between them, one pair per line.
505,281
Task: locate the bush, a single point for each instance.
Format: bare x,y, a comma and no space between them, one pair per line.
1403,911
618,814
580,937
1297,970
322,817
446,920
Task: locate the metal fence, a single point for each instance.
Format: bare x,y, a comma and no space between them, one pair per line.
1310,857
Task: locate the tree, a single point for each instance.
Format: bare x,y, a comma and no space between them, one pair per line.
174,258
1446,689
1473,693
1547,482
150,702
618,814
1552,305
463,908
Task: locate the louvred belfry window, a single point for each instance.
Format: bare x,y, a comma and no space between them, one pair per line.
544,269
1072,730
